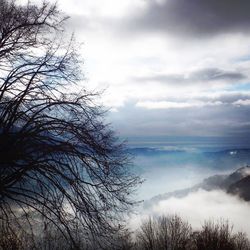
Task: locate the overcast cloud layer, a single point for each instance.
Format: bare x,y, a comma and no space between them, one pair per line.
169,67
196,18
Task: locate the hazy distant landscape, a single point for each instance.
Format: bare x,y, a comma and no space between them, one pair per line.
180,163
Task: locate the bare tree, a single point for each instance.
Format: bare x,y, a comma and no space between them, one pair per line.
216,236
164,233
173,233
241,242
147,235
59,161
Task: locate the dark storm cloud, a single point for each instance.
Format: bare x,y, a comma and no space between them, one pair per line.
229,98
224,120
195,17
213,74
199,76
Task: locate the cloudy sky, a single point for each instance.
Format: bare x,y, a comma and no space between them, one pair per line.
168,67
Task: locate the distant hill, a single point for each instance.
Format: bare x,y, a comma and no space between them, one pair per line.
237,183
241,188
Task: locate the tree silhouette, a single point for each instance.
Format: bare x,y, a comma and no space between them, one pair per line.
171,232
58,159
164,233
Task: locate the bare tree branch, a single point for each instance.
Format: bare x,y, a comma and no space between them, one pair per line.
57,157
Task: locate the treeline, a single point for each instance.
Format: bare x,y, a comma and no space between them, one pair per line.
161,233
172,233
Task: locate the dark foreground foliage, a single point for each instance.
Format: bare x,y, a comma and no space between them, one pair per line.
172,233
60,165
162,233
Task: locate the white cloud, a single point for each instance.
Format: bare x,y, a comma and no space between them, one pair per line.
177,105
99,8
242,102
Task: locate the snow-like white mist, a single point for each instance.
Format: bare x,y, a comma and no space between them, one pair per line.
201,206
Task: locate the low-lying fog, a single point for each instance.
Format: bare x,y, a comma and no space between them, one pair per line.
201,206
166,168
